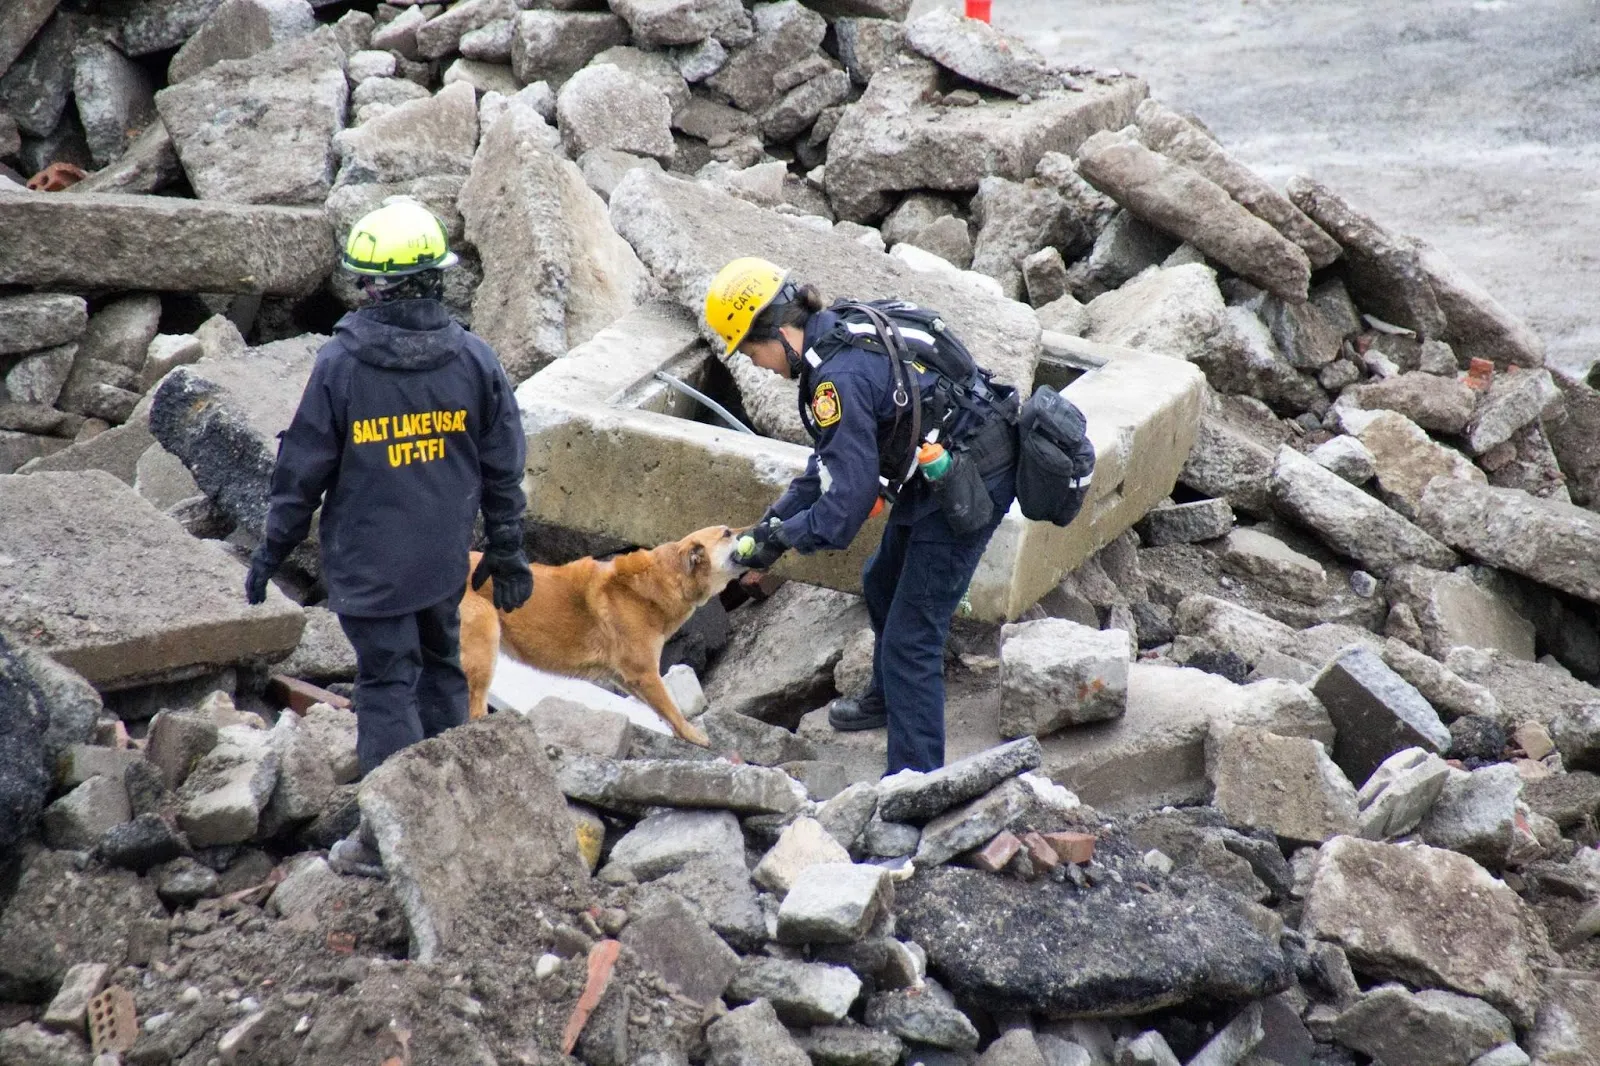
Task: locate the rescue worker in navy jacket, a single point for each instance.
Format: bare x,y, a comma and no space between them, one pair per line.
855,409
407,426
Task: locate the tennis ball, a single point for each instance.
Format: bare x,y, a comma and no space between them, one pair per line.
746,545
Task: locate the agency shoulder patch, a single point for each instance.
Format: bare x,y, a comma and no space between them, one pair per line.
825,406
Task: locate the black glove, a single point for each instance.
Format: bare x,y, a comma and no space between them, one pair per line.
504,561
760,546
264,562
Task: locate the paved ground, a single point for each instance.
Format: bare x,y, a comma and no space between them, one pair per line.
1475,125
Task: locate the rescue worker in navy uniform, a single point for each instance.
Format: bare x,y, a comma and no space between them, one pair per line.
853,407
407,426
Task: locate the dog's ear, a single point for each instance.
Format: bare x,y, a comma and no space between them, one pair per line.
695,558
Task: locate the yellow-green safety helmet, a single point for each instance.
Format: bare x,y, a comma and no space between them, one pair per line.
401,237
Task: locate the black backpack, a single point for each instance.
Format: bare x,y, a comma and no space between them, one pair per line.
1055,458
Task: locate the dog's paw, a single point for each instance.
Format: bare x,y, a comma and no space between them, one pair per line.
695,735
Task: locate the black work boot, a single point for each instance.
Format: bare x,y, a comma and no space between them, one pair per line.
849,714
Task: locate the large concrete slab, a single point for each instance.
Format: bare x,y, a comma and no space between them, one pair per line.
94,576
591,417
162,243
222,417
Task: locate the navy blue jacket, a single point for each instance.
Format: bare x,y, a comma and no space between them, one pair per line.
850,391
407,424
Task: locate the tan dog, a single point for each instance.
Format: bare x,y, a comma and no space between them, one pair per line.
601,620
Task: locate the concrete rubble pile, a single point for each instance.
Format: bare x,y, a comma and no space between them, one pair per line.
1299,764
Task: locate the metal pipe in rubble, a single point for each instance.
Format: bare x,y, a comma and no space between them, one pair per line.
695,394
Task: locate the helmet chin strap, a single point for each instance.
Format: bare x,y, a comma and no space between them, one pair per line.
793,357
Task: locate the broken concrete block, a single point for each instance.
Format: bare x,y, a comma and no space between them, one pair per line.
436,135
1406,459
285,104
802,993
980,53
968,826
1014,220
499,832
176,742
1550,542
1476,814
1044,276
324,653
1147,1049
716,784
222,417
1271,563
80,762
801,107
673,940
18,26
68,1012
553,45
309,885
752,1036
166,351
851,1043
915,797
32,321
607,107
305,772
96,623
222,799
239,29
1514,400
1440,404
1176,137
1183,202
922,1017
1186,523
1376,713
669,840
893,139
1567,1025
171,244
1429,1028
664,23
1287,785
803,843
524,203
1576,731
834,903
1056,673
1476,325
78,820
1352,522
1400,793
1384,270
1347,457
1454,610
1387,906
116,101
37,379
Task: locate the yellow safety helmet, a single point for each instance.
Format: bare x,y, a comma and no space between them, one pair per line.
741,291
401,237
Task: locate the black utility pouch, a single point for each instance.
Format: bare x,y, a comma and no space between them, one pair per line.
1056,459
963,496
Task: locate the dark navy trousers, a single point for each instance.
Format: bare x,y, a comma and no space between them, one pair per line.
409,684
913,584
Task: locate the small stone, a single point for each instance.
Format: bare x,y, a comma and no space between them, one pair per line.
1375,713
670,840
802,993
1347,457
1400,793
1055,673
1287,785
1429,1028
68,1011
1534,740
78,820
921,1017
916,797
969,826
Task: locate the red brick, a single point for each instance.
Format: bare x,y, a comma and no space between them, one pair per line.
299,695
993,856
1072,847
1043,855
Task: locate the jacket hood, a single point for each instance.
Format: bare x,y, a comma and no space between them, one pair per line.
404,335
